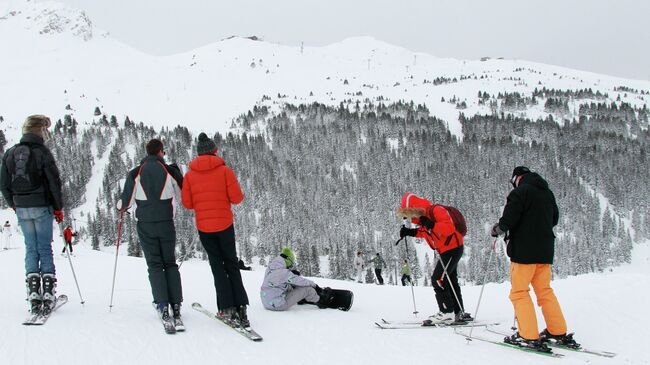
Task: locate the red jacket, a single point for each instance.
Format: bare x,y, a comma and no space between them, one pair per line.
210,187
439,237
67,235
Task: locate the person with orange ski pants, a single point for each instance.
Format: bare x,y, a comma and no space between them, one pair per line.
528,219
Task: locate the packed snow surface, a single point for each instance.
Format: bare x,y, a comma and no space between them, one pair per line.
600,308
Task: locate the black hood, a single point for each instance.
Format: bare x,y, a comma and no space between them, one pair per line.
534,179
31,138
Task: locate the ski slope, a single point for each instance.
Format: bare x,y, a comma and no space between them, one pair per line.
599,308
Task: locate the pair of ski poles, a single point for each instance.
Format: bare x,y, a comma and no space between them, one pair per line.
446,274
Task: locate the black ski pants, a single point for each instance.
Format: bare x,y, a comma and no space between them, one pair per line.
69,245
442,285
158,241
222,255
406,278
380,279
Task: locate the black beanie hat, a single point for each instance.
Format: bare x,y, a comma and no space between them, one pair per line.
520,170
206,145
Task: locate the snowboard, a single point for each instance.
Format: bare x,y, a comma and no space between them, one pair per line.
340,299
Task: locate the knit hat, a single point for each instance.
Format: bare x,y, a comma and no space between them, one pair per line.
518,171
289,257
37,124
206,145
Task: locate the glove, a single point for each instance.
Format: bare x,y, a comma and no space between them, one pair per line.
174,166
426,222
58,216
496,230
318,289
403,232
295,272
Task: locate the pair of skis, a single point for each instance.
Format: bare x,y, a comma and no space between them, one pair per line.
424,324
551,344
40,317
247,332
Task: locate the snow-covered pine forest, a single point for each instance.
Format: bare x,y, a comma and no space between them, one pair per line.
326,180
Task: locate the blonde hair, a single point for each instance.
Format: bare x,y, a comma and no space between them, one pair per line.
38,125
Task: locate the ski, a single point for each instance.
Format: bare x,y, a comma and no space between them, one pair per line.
385,324
41,318
31,318
503,344
179,325
246,332
168,325
558,346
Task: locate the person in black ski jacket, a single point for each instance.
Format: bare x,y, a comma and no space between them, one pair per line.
31,185
153,186
528,219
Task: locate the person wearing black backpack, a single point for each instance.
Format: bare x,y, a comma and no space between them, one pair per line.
443,228
31,185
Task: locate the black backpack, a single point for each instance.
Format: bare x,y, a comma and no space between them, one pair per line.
26,176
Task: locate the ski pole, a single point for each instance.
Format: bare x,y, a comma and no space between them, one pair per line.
406,244
74,275
480,296
117,250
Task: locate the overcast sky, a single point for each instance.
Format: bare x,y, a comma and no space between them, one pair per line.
611,37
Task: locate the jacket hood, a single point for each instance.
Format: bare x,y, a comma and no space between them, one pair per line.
277,263
534,179
152,158
206,162
31,138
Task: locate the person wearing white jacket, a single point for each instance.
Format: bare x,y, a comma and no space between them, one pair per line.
6,235
359,266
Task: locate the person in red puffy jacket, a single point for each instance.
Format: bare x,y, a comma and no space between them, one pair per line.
67,237
437,228
210,188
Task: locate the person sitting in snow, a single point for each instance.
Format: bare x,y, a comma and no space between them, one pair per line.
283,287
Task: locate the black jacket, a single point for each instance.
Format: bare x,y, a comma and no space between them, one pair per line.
152,185
529,217
48,193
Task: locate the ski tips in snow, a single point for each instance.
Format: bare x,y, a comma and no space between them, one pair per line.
39,318
247,332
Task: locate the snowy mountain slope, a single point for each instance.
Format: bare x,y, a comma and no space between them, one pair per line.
304,335
56,57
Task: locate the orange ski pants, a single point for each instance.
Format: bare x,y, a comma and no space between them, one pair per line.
539,275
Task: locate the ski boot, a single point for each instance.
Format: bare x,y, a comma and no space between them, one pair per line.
243,316
34,297
462,317
441,318
49,293
229,316
565,340
536,345
178,321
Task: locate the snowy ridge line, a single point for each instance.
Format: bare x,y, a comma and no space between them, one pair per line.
101,72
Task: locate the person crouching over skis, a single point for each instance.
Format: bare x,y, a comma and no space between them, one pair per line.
529,217
438,229
283,287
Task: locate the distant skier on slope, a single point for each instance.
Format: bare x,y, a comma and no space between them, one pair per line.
67,237
283,287
31,185
6,235
210,189
406,273
528,219
438,229
153,186
359,266
378,263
